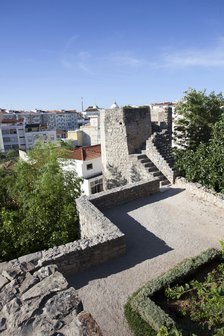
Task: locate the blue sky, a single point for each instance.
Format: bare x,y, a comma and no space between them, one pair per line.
53,52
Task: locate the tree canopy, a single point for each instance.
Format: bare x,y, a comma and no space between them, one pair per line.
196,113
200,155
38,208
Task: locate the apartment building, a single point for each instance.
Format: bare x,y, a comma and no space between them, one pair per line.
38,132
15,134
12,134
63,120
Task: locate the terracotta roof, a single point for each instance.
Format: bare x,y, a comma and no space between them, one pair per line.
86,153
11,121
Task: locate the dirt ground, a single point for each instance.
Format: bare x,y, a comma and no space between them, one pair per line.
161,231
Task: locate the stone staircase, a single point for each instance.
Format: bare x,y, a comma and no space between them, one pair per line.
163,144
151,168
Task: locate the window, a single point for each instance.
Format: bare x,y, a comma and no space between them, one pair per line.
5,131
7,139
96,186
89,166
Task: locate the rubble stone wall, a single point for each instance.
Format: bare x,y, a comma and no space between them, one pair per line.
201,192
124,194
154,155
39,302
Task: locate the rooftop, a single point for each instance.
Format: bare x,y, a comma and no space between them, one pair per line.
86,153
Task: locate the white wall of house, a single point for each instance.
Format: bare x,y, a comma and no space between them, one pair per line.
92,185
91,177
91,135
84,169
91,167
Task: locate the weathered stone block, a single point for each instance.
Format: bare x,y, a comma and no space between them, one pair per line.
3,281
53,283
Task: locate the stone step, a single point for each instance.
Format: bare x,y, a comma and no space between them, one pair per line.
149,165
164,182
152,169
145,160
141,156
157,173
162,177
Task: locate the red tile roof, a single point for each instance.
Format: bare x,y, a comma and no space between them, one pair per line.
12,121
86,153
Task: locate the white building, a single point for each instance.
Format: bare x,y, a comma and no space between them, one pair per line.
92,110
12,134
91,131
58,120
88,135
63,120
35,132
88,165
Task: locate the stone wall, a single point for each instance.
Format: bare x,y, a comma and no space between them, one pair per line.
39,302
154,155
201,192
161,118
138,172
114,148
124,194
138,127
123,132
100,239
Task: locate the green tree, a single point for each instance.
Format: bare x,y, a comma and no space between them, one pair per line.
44,212
196,114
205,164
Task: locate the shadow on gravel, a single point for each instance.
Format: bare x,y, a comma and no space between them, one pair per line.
141,244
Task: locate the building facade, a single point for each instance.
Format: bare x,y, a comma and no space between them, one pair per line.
88,165
12,135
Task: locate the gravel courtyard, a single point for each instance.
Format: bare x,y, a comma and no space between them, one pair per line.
161,230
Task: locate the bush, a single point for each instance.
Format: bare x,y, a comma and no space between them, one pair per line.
140,308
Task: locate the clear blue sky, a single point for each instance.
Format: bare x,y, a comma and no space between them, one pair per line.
53,52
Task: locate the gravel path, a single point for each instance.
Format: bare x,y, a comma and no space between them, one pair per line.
161,231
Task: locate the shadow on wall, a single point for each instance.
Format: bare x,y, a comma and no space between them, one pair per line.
116,180
141,244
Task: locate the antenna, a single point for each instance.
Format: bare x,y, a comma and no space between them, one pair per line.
82,103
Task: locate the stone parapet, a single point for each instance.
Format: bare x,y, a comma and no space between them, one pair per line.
124,194
153,154
100,239
201,192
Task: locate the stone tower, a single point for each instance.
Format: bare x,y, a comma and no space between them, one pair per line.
124,131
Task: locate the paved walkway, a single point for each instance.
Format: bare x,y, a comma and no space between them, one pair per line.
161,231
